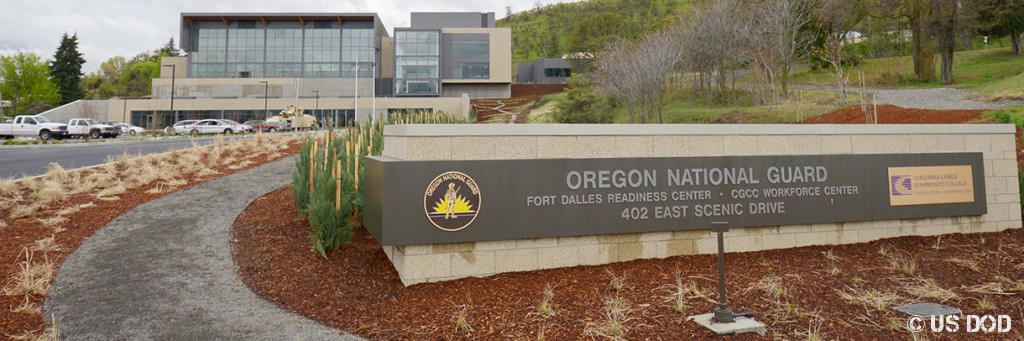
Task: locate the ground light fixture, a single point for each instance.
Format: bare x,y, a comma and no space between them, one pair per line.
723,321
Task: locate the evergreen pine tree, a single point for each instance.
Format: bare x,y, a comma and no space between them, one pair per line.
66,69
170,49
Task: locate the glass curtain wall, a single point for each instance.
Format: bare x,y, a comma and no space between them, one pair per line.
470,58
284,52
357,53
417,60
245,51
322,50
208,55
319,49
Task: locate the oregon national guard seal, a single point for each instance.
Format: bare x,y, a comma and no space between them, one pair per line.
452,201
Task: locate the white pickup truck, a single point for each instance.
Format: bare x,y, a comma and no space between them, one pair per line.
89,127
33,126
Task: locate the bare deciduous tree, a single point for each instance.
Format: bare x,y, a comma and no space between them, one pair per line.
716,43
639,74
778,41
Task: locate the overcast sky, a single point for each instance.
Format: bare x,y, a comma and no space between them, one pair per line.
111,28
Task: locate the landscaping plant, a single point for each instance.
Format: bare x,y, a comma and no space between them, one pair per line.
334,201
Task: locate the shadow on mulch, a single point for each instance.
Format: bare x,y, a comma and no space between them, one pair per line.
797,292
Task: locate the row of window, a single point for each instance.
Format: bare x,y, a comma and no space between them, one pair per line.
282,52
557,72
417,62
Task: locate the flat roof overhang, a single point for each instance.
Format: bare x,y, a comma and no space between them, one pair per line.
190,18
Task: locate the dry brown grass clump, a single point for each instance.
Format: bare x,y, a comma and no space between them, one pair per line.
50,192
27,308
25,210
32,277
9,187
48,244
117,189
612,325
53,221
869,298
921,287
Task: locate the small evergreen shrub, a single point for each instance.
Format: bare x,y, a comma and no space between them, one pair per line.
332,224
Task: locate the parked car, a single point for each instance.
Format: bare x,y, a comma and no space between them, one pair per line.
263,126
245,128
87,127
40,126
280,126
216,126
182,127
130,129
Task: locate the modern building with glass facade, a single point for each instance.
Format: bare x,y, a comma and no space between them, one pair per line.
346,66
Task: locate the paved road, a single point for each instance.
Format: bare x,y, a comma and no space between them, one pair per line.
25,161
937,98
164,271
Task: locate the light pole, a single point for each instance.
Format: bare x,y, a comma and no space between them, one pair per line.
174,75
124,111
266,94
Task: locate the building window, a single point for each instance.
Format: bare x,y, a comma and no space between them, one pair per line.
245,46
557,72
471,48
322,51
357,46
471,70
284,53
417,63
210,48
469,57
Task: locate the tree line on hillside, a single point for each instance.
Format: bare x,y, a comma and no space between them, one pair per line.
550,31
34,85
705,50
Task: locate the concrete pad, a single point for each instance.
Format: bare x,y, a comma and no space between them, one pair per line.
740,326
927,309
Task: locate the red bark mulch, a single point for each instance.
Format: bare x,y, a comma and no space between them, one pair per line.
889,114
23,232
357,289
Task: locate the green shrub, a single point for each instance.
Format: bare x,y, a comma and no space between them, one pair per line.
1013,115
583,104
333,227
1020,184
300,176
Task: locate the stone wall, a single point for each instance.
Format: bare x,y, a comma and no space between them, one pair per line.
429,263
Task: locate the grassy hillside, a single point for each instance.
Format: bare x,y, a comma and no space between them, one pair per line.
544,32
995,72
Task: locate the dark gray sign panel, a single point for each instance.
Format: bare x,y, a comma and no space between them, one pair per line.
426,202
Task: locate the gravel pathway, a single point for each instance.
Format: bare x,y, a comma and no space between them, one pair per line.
164,271
937,98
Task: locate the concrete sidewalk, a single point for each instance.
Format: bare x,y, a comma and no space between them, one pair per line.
164,271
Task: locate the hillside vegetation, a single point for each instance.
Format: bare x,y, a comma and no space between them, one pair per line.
551,31
995,72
